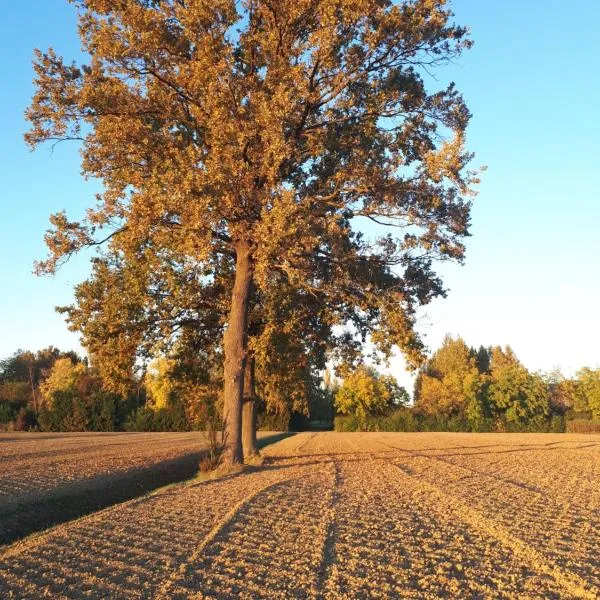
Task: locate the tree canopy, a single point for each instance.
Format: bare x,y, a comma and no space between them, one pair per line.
365,392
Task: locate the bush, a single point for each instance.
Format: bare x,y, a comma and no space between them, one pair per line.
555,424
26,420
583,426
103,411
69,411
406,419
267,421
298,422
141,419
169,418
346,423
56,416
558,424
7,412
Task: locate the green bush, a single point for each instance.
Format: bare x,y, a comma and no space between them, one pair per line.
267,421
55,417
346,423
69,411
170,418
102,411
558,424
555,424
406,419
7,412
141,419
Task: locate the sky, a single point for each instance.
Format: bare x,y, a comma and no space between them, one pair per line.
531,277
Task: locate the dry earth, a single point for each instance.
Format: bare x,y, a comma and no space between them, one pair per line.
48,478
344,516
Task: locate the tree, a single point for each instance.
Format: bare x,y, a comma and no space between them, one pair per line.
30,368
62,378
450,384
589,389
266,132
169,315
366,392
518,395
563,392
159,382
483,359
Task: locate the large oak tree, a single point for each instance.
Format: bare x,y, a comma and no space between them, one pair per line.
269,131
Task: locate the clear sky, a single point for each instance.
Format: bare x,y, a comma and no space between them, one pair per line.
531,278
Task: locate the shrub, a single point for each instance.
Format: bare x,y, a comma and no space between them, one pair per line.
169,418
26,420
298,422
406,419
346,423
583,426
141,419
273,421
103,411
558,424
7,412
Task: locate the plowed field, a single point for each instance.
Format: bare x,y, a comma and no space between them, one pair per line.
52,477
334,515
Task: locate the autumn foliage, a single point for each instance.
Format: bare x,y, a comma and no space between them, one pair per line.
242,147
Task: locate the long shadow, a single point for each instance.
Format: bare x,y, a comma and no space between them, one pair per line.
77,500
274,437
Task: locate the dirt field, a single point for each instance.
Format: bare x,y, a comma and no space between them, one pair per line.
52,477
344,516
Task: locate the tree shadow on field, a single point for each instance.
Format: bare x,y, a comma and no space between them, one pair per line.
40,511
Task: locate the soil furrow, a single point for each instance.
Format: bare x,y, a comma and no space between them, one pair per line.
572,584
569,537
271,541
331,516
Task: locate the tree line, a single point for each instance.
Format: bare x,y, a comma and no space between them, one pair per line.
53,390
461,388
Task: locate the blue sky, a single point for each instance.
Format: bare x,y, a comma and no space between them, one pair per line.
531,277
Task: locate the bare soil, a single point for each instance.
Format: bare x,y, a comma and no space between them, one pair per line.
50,478
331,515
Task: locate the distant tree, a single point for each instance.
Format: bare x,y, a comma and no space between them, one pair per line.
159,382
563,392
450,384
24,371
517,395
588,381
483,359
21,366
63,377
15,392
366,392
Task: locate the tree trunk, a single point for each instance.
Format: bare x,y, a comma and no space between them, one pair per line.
249,412
235,342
